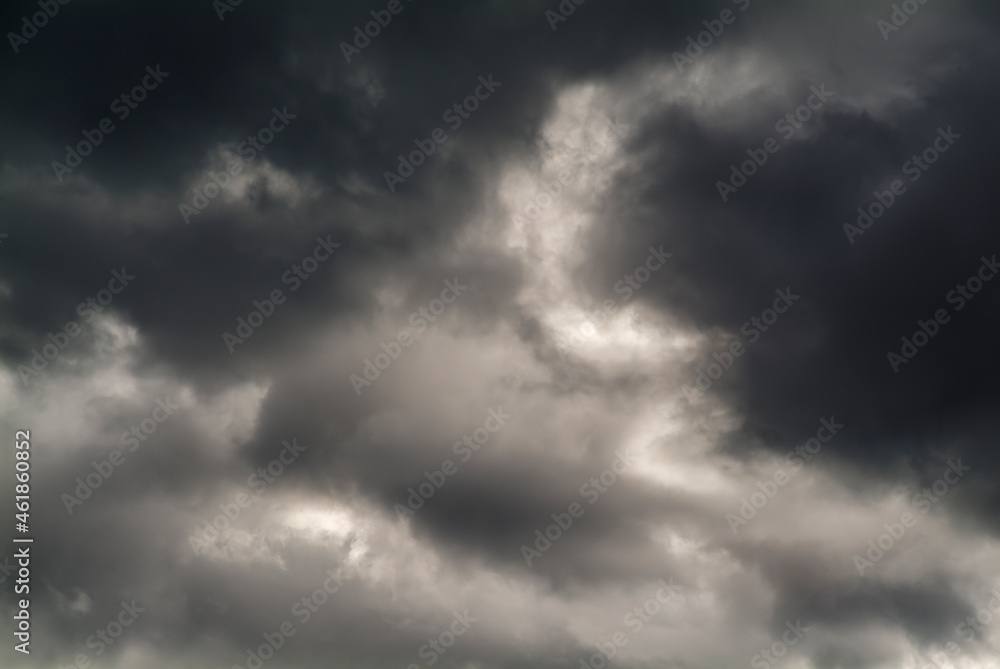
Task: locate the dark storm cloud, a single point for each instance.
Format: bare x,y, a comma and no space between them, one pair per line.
785,228
224,79
323,177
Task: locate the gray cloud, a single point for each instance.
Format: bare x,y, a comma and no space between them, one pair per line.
547,217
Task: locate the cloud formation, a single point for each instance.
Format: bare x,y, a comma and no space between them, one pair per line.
502,335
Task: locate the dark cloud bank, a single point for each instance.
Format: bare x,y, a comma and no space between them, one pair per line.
509,335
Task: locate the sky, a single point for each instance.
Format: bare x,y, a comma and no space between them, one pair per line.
500,335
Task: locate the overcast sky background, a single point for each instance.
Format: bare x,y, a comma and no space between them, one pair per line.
640,138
